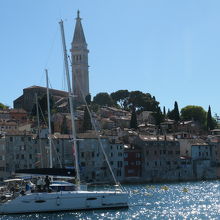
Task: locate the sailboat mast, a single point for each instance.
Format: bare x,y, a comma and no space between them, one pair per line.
70,101
38,125
49,123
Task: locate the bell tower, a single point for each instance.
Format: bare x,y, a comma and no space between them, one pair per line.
80,68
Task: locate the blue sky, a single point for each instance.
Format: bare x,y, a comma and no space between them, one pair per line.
170,49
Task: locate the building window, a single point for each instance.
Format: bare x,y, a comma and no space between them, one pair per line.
30,156
93,154
83,164
126,163
11,139
82,154
147,152
138,155
22,138
125,155
112,163
138,162
155,152
155,163
119,163
118,173
119,154
22,156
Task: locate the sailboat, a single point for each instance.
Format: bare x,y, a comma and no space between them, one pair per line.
78,199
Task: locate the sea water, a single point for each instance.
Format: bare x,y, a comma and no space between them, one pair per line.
190,200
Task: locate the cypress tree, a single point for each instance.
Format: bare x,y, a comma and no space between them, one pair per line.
87,125
176,114
64,128
209,122
164,111
133,122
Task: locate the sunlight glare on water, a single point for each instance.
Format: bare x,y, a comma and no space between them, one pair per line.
191,200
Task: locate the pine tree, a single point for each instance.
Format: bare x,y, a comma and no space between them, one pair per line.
87,125
133,122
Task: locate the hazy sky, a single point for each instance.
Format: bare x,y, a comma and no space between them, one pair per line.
168,48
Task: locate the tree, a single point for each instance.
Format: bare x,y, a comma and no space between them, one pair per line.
210,123
64,128
2,106
87,125
103,99
88,99
142,101
133,122
194,112
158,116
164,111
174,114
121,97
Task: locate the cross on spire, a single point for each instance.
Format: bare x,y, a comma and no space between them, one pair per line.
78,13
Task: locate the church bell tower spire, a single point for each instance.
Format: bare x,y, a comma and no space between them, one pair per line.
80,68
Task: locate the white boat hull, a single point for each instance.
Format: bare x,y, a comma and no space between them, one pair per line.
64,201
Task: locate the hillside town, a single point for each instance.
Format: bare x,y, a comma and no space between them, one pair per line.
175,152
142,143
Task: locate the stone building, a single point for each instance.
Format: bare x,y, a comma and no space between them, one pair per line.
132,164
160,158
27,100
92,162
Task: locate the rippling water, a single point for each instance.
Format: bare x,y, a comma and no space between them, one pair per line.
192,200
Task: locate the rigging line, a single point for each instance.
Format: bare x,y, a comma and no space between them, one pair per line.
51,48
58,157
42,114
64,83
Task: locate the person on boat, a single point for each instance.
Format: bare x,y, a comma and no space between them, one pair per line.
47,183
40,184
